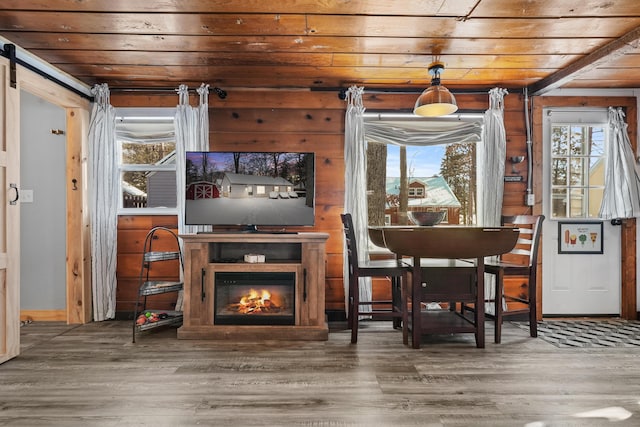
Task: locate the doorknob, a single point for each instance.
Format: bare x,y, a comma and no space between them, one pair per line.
14,187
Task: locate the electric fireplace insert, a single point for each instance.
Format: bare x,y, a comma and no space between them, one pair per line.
254,298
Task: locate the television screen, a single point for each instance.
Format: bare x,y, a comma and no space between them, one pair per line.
249,188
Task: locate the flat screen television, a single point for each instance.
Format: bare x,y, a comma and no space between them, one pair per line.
250,189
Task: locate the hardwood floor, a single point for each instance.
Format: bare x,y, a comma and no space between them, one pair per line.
92,375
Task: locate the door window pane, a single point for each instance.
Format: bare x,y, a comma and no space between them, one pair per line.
577,169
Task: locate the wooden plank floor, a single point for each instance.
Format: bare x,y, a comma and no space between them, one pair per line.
92,375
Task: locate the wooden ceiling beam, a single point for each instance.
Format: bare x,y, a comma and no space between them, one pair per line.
628,43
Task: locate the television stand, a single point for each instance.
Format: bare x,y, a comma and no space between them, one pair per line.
301,254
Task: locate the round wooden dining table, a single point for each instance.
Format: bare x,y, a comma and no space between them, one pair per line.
448,263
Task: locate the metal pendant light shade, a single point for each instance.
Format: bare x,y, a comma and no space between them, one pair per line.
436,100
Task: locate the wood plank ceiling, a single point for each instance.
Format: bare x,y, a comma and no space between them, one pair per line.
322,44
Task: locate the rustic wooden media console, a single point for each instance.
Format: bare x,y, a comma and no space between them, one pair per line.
302,254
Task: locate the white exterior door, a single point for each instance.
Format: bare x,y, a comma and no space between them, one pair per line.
9,217
577,284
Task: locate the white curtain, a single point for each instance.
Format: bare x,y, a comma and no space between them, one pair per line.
192,134
493,155
621,198
355,201
491,172
423,132
131,132
103,203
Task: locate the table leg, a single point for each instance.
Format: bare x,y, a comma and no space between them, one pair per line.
404,297
479,311
416,297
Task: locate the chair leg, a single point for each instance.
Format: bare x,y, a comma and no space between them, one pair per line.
498,307
533,323
533,310
350,303
355,308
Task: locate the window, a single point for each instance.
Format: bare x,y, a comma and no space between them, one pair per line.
416,192
146,161
577,169
444,177
422,163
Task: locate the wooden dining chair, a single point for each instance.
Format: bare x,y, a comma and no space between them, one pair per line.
521,261
391,269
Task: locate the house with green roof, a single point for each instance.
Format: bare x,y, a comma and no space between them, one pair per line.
426,194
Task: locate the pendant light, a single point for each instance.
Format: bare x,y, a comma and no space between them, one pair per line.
436,100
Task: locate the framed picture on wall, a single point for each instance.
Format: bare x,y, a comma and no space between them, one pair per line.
580,237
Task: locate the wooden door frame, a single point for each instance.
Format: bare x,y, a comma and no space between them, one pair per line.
628,309
78,245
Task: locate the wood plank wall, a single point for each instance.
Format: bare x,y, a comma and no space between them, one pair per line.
298,120
132,231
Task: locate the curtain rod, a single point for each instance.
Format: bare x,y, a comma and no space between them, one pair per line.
342,92
147,89
460,116
222,94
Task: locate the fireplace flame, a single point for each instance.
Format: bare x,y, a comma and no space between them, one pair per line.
255,296
256,302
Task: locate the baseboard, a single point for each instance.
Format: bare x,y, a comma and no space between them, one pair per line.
43,315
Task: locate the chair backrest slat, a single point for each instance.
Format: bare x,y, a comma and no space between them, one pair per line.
526,250
523,252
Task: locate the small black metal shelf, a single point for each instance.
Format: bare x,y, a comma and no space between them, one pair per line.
174,318
148,287
159,287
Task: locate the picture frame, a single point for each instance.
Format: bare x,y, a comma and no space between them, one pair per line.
580,237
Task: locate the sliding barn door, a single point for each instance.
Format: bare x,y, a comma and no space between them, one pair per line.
9,216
